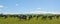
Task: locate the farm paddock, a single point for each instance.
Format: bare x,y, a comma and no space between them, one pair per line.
29,19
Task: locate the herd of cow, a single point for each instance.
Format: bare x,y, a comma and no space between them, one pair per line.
31,16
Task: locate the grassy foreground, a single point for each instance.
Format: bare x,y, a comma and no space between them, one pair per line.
11,20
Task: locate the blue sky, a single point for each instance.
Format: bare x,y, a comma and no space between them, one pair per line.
22,6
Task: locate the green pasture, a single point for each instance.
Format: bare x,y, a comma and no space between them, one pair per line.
12,20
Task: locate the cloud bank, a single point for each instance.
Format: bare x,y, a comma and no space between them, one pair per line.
1,6
41,12
33,12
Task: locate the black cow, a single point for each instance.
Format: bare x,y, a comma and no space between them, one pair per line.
5,16
50,17
39,16
22,17
57,17
34,16
30,16
13,16
44,17
1,15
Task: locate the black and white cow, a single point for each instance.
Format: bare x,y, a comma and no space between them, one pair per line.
57,16
44,17
39,16
5,16
22,17
30,16
50,17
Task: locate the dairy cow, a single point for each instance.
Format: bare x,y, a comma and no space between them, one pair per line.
22,17
5,16
57,16
50,17
39,16
30,16
44,17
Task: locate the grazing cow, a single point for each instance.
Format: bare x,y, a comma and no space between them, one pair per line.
39,16
22,17
50,17
30,16
57,17
5,16
34,16
14,16
1,15
11,16
44,17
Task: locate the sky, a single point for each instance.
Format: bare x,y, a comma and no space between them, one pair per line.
29,6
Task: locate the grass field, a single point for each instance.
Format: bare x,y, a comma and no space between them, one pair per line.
11,20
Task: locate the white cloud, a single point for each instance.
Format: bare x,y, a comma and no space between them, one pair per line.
1,6
17,4
41,12
10,13
38,8
33,12
0,9
0,12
